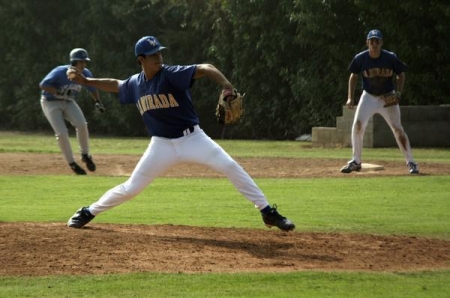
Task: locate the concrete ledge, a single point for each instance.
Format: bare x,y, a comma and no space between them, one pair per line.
325,137
426,126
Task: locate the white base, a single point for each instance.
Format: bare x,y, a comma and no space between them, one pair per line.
368,167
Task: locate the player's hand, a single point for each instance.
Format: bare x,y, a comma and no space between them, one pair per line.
350,103
75,75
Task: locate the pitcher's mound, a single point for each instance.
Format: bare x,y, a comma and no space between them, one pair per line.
39,249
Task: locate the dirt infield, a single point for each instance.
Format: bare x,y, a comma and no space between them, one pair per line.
36,249
123,165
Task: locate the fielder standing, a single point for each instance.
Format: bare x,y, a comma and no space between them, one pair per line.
58,104
378,68
163,97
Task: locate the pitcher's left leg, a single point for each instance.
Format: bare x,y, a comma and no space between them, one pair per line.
200,148
220,161
392,116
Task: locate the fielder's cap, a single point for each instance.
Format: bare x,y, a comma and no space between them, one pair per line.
79,54
375,34
147,45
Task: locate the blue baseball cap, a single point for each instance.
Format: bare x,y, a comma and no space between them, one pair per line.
147,45
375,34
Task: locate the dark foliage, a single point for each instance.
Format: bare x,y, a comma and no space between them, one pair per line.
289,56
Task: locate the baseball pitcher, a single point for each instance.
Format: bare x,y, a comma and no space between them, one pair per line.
162,95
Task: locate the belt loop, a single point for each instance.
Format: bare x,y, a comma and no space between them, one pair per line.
188,131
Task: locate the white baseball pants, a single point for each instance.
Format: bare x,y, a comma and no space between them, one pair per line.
56,112
367,107
163,153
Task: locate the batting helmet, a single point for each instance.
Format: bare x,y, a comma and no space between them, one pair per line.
79,54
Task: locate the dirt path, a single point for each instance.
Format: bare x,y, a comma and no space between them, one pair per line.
36,249
123,165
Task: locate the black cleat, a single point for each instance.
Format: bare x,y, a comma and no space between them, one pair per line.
413,168
350,167
273,219
80,218
77,169
87,159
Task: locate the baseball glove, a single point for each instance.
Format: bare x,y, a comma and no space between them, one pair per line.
229,108
391,99
100,107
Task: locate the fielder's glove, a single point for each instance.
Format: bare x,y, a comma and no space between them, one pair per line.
100,107
391,99
229,108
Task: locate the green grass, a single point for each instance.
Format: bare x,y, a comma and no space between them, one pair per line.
46,143
305,284
407,205
400,206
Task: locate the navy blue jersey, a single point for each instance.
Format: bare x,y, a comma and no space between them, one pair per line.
165,101
57,78
378,74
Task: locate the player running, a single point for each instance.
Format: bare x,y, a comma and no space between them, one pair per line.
163,97
58,104
378,68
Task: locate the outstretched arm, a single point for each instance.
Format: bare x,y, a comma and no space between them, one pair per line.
108,85
211,72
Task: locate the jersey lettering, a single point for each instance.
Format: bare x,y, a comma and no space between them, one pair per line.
156,101
378,72
158,104
164,101
172,101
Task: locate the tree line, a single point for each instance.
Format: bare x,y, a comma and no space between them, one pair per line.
290,57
